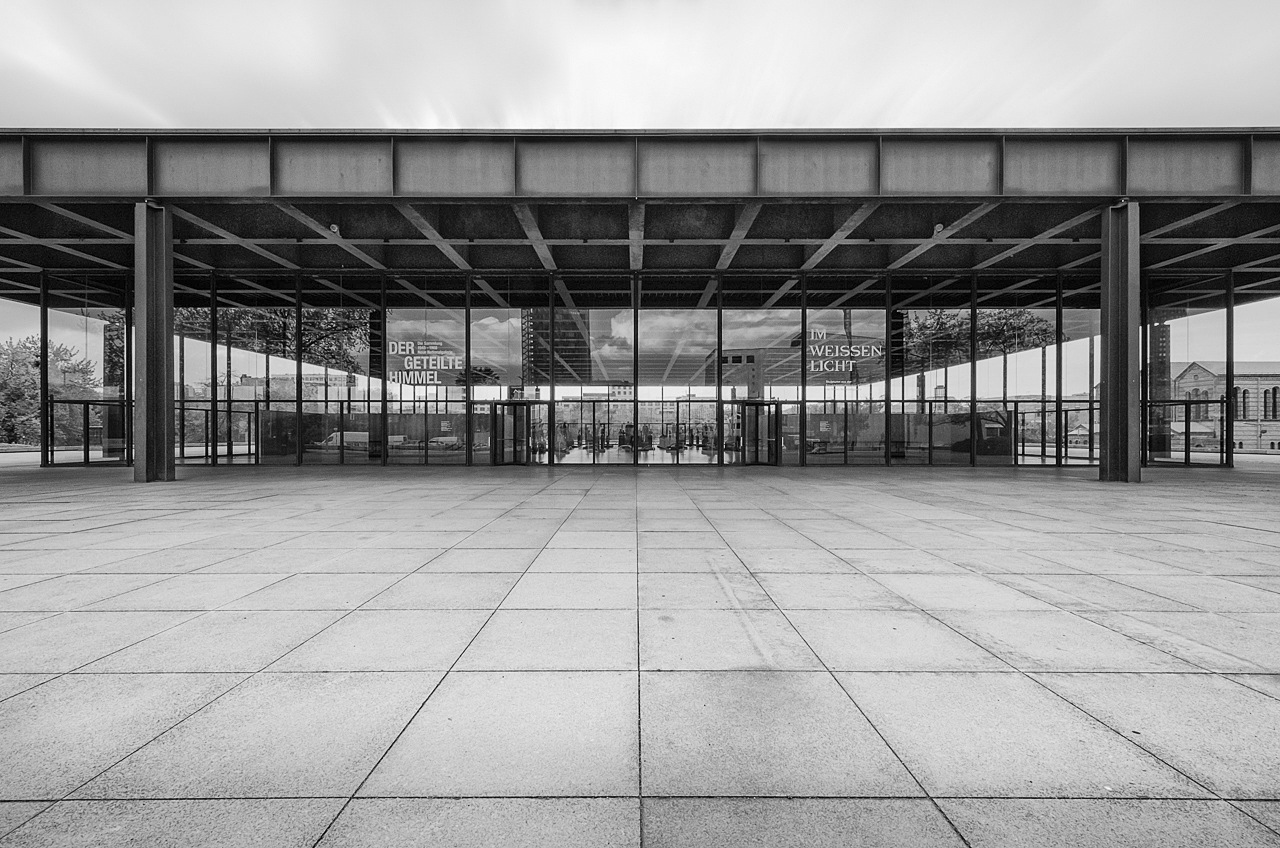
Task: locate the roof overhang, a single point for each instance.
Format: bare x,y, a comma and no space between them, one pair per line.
931,208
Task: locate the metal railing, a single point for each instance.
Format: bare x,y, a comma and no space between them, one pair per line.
1185,432
929,431
94,431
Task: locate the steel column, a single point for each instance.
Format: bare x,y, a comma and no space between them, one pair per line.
803,447
467,395
153,324
1121,360
975,431
1059,426
635,367
720,436
213,369
46,409
551,364
297,367
382,358
127,377
1229,427
1145,340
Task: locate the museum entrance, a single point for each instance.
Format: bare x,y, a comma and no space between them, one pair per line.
753,432
517,433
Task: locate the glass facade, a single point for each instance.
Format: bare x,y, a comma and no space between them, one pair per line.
815,369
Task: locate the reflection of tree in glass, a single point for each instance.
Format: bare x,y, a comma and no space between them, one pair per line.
480,376
936,338
1012,330
334,338
70,375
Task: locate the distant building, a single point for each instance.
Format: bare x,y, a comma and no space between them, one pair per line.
1255,402
573,363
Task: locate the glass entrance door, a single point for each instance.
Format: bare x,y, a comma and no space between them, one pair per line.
509,434
752,432
518,433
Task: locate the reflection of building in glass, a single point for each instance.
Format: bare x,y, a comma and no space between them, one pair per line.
573,348
840,359
1255,406
756,368
1158,339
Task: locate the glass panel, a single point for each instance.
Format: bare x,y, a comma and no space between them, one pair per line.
87,371
20,415
193,364
595,431
1017,371
540,441
595,383
1257,370
677,383
761,360
500,369
1081,353
341,368
846,433
1186,389
931,395
426,386
578,437
845,386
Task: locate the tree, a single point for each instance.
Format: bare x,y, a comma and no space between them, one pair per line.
1008,331
480,376
936,338
330,337
70,375
333,338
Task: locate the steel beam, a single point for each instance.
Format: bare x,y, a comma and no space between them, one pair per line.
1121,426
153,431
635,236
1218,246
1043,238
1167,228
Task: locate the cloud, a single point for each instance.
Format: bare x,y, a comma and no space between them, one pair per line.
639,63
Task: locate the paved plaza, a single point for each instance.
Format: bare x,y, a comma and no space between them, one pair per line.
611,657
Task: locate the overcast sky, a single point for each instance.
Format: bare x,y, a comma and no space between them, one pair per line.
639,63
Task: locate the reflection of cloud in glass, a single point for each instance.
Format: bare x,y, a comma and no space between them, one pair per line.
865,323
496,344
676,346
620,329
758,328
611,342
415,324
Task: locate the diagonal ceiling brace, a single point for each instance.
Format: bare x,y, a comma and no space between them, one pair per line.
1159,231
746,217
1057,229
311,223
851,223
944,234
422,225
529,222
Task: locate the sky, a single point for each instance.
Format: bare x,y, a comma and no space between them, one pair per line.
636,64
639,64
